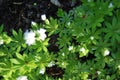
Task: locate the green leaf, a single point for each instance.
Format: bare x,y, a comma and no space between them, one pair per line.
114,21
19,56
2,53
60,13
14,61
18,49
1,29
7,39
20,34
45,49
108,24
38,49
14,33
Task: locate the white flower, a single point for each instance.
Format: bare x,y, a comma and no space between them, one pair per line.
43,17
106,52
110,5
63,63
33,23
56,2
42,71
91,68
118,66
29,37
98,72
92,38
68,23
63,54
51,64
70,48
22,78
1,41
42,34
89,79
89,0
82,49
35,4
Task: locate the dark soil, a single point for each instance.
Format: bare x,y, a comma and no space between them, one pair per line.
15,14
55,72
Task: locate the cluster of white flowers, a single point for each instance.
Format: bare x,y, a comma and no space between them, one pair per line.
110,5
42,34
30,36
106,52
70,48
22,78
42,71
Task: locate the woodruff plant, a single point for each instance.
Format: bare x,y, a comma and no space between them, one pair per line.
88,42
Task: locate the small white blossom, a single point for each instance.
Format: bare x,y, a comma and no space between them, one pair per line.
110,5
68,23
29,37
89,79
89,0
98,72
63,54
106,52
22,78
42,34
33,23
82,49
92,38
51,64
43,17
42,71
91,68
35,4
56,2
63,63
70,48
118,66
1,41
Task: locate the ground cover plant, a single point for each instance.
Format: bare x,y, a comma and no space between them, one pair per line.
78,40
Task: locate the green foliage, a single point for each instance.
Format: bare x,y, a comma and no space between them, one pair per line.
88,42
